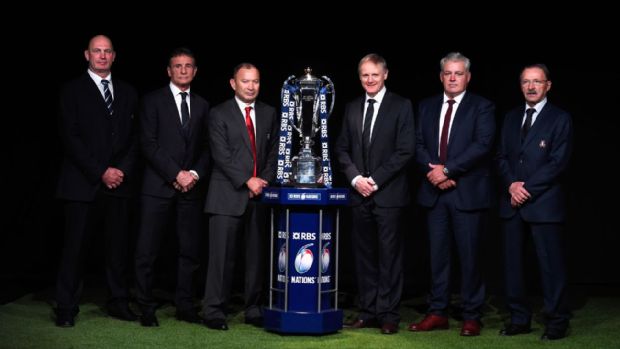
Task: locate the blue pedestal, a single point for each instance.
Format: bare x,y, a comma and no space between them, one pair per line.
303,296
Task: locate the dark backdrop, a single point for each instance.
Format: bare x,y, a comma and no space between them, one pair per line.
582,74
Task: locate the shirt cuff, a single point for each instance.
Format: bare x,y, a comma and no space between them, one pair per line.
195,174
355,180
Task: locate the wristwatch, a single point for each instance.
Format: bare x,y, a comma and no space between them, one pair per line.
446,171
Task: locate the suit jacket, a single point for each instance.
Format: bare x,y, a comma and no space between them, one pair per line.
168,149
232,155
539,161
469,150
391,147
93,140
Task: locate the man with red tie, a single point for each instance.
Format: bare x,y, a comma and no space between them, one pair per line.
454,138
242,134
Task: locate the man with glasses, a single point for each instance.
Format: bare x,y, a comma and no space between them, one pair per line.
534,152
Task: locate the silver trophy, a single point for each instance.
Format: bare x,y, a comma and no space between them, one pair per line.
310,98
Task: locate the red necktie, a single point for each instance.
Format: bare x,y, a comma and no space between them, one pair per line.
443,143
250,126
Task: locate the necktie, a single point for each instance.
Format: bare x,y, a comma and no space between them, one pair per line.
184,110
370,111
528,123
443,143
107,95
250,126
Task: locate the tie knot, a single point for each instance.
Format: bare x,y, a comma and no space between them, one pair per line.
451,102
371,101
530,111
248,109
105,82
183,95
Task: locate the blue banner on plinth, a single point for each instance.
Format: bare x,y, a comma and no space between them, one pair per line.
304,275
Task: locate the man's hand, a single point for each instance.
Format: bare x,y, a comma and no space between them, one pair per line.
256,185
185,181
365,186
447,184
112,177
518,194
436,175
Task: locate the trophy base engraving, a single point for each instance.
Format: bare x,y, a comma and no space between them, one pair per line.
307,170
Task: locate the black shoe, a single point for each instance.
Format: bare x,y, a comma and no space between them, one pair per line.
515,329
189,316
148,319
217,324
552,334
121,312
255,321
65,318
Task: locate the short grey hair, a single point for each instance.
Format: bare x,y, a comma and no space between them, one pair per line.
455,57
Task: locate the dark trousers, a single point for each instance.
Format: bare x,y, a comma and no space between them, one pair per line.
107,214
154,217
547,238
447,224
224,235
378,257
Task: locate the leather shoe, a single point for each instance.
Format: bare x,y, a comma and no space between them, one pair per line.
429,323
515,329
148,319
121,312
65,318
190,316
553,334
470,328
217,324
255,321
389,328
359,323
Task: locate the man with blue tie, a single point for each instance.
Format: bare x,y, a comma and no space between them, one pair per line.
454,138
97,179
534,152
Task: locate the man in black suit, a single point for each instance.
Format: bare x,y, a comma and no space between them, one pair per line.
454,138
174,142
534,152
374,147
242,134
98,135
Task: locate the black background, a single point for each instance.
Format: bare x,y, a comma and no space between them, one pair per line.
43,52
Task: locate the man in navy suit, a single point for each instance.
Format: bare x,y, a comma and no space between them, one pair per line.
534,152
97,128
375,145
174,142
242,134
454,138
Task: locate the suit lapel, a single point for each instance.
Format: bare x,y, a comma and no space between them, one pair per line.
93,90
259,127
172,110
238,121
382,114
458,119
358,119
434,137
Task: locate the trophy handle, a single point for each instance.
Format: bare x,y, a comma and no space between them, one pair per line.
330,87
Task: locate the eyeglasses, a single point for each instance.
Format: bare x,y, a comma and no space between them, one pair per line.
536,83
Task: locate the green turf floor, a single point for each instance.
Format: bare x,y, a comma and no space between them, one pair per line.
27,323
